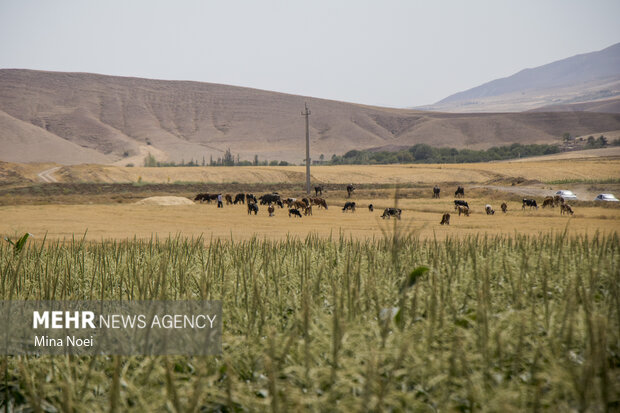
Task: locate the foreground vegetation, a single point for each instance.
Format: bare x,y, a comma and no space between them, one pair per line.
503,323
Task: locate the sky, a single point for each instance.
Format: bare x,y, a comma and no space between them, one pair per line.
384,52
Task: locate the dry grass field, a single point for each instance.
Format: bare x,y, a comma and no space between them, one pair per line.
110,215
420,216
540,170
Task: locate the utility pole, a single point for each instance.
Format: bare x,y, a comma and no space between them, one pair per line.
306,113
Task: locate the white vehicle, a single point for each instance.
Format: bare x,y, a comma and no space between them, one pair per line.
606,197
566,194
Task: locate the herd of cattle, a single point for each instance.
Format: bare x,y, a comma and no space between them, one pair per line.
295,206
298,206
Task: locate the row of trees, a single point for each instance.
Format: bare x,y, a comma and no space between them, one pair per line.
420,153
423,153
227,160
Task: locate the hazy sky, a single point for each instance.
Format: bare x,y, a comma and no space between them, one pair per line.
391,53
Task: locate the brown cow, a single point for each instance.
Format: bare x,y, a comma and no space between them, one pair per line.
504,207
548,202
308,210
445,219
228,199
298,205
565,208
270,209
558,200
463,210
320,202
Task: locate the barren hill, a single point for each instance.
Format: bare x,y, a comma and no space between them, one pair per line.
87,118
583,78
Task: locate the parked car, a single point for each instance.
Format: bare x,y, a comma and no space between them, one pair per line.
606,197
566,194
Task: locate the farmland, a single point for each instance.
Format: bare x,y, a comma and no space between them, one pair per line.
517,311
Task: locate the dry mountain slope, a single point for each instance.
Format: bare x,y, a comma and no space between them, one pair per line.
583,78
79,118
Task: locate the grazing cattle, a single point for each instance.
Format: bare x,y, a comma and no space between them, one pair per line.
279,203
289,201
558,200
239,198
308,210
445,219
436,191
460,192
228,199
318,190
206,197
201,197
270,209
391,212
529,202
320,202
489,210
349,206
371,208
565,208
252,207
548,202
504,207
251,197
459,202
269,198
350,189
298,205
463,210
295,212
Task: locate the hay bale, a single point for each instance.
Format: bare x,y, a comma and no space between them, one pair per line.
165,200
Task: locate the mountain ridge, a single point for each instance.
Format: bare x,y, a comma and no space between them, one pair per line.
92,118
577,79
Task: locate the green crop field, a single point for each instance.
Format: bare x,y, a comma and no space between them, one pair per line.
502,323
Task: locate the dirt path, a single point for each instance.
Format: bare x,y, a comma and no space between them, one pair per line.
46,176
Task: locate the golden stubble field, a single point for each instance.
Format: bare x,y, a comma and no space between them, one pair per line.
541,170
420,216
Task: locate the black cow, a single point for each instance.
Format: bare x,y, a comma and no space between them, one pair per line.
460,192
371,208
295,212
280,203
459,202
250,197
391,212
529,202
201,197
270,198
350,189
349,206
208,197
252,207
239,198
318,190
436,191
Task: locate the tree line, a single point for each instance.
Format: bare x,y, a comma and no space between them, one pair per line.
423,153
